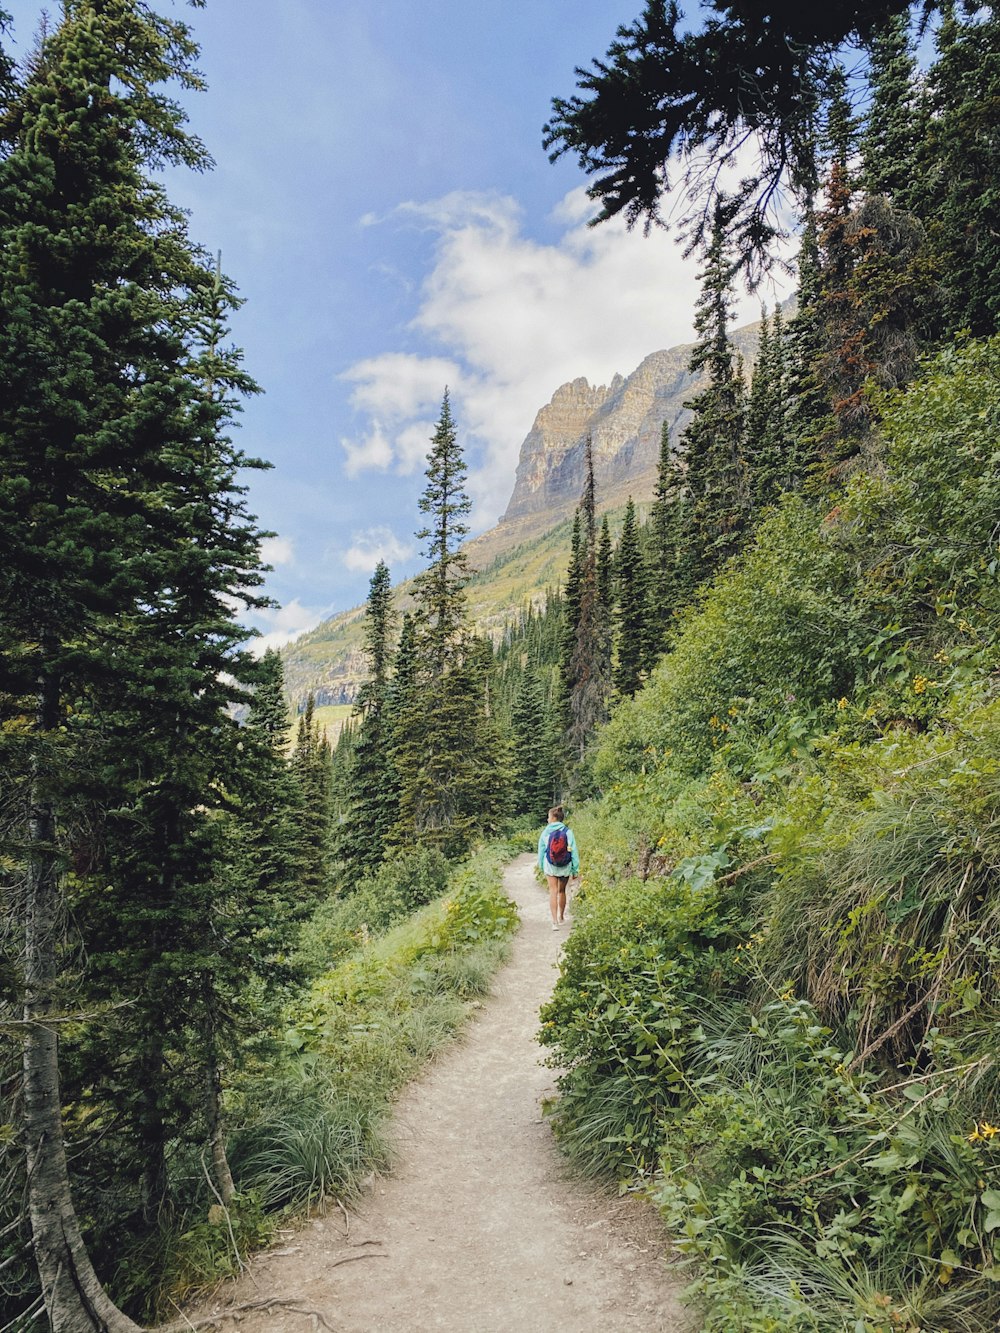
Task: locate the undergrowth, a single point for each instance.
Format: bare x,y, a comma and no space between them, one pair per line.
778,1013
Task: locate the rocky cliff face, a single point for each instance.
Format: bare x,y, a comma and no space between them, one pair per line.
623,420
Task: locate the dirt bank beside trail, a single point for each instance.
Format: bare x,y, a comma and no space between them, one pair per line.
480,1228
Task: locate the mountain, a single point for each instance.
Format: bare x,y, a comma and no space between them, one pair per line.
527,550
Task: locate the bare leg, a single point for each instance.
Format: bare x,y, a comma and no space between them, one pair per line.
554,896
562,900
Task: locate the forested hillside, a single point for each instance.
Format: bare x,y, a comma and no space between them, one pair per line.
771,707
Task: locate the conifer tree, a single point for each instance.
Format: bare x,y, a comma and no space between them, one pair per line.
767,450
311,767
633,603
571,616
534,758
453,770
589,668
893,127
955,188
808,416
372,788
714,439
669,558
123,537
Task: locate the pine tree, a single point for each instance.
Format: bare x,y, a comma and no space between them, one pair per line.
439,590
808,414
713,441
372,787
571,617
768,453
893,128
669,556
841,364
956,184
633,602
589,669
122,538
311,767
448,751
534,760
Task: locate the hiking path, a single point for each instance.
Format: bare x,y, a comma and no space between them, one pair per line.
480,1227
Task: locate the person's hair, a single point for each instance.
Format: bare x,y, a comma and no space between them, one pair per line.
556,814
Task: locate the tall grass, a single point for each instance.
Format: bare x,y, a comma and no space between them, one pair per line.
313,1125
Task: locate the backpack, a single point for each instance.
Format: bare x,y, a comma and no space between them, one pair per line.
557,850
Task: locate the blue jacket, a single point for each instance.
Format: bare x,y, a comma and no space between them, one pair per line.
562,871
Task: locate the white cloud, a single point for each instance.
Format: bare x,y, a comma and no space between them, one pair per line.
515,318
281,624
277,551
373,545
373,450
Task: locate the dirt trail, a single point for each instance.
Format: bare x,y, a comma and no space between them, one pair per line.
479,1229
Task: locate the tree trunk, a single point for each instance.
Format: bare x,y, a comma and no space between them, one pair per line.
221,1173
74,1298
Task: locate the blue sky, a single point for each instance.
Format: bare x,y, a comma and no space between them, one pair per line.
383,201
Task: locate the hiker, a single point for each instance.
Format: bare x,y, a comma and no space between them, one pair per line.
558,859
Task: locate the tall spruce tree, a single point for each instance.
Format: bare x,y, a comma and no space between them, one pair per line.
713,442
372,788
571,616
670,576
956,184
123,538
449,754
893,123
312,770
633,604
534,758
771,466
589,668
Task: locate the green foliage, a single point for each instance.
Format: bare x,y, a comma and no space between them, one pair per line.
371,905
778,1010
776,631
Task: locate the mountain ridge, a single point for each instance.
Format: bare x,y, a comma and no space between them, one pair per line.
524,549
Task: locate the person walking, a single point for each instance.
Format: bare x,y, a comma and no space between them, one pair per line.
558,860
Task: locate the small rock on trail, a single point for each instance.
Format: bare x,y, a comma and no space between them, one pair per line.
480,1228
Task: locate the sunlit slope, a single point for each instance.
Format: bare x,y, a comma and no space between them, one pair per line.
330,661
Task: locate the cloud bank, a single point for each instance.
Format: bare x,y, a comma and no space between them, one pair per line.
511,319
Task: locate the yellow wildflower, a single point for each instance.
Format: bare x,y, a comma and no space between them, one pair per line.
919,684
841,704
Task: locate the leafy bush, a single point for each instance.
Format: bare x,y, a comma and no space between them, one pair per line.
814,1198
775,634
399,887
780,1002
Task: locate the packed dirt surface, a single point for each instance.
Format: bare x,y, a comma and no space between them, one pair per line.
480,1228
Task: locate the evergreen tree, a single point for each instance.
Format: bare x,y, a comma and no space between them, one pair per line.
956,184
841,365
439,590
534,757
571,616
893,127
713,441
123,539
770,465
311,767
270,812
808,414
589,668
633,602
449,754
667,538
372,788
